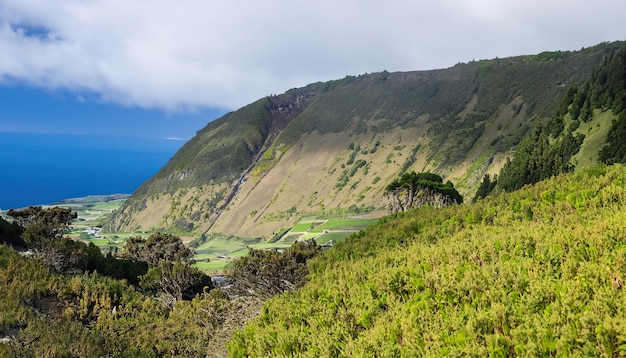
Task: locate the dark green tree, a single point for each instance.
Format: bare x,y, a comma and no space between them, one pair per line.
169,267
614,151
42,226
538,158
606,89
578,103
265,273
567,100
113,266
413,190
174,281
159,247
556,126
486,187
11,233
43,233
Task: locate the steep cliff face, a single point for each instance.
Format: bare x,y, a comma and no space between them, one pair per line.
193,188
335,145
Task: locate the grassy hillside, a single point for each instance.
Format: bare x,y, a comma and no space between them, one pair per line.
536,272
588,127
335,145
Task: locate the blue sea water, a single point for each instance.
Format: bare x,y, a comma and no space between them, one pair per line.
46,168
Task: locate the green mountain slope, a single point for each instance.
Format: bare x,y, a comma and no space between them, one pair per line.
588,127
335,145
537,272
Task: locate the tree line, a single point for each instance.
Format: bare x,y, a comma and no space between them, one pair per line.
160,264
549,149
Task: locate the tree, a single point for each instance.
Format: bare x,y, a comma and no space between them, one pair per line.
265,273
169,267
614,150
159,247
413,190
113,266
10,233
66,255
486,187
43,232
538,158
41,226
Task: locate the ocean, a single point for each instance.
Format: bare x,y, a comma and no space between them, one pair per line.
45,168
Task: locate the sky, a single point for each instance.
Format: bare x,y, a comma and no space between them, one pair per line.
158,68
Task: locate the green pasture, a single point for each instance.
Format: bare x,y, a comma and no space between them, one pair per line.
104,242
107,206
125,236
340,228
220,246
217,252
347,223
302,227
335,236
211,266
108,240
93,214
310,235
221,251
290,238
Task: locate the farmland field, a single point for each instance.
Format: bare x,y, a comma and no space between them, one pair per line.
221,250
334,236
339,227
303,226
215,252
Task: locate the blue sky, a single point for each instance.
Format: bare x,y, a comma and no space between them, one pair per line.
156,68
34,110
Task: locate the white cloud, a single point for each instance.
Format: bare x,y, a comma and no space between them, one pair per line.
192,53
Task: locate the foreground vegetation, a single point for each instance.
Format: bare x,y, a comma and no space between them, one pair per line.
49,314
535,272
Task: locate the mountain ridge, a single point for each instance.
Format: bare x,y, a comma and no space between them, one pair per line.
334,145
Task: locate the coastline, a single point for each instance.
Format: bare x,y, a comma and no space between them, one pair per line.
39,169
